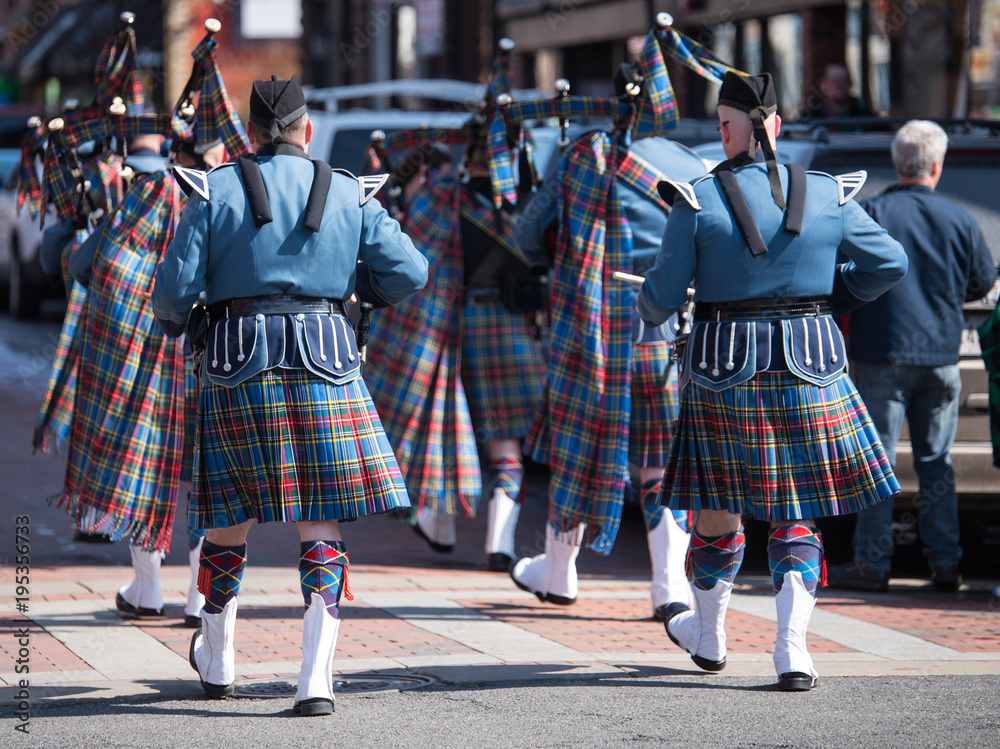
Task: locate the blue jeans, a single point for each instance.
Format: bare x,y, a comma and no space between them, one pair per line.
928,398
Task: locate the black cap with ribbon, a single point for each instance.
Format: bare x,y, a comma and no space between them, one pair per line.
274,104
754,94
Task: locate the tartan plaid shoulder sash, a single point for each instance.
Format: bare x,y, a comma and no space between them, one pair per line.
643,176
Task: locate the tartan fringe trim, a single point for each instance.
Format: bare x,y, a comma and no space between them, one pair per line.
599,535
92,520
49,441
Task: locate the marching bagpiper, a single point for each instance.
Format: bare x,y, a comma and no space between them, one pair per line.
287,431
611,399
467,369
130,441
770,423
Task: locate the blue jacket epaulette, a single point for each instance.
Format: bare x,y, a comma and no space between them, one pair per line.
848,185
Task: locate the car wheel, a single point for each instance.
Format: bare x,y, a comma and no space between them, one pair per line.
21,301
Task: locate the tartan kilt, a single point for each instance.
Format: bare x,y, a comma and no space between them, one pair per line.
289,445
654,405
502,370
126,450
55,418
776,447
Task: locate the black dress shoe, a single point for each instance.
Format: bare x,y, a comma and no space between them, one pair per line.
499,562
439,548
946,579
192,622
91,538
853,576
139,612
796,681
672,610
314,706
212,691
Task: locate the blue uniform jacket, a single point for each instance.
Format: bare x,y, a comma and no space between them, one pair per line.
705,249
919,322
218,249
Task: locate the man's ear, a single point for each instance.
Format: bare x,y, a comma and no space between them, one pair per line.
777,125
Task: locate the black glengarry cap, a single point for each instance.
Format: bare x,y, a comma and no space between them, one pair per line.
748,92
276,104
754,94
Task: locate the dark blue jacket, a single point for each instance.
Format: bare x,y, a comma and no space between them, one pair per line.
919,321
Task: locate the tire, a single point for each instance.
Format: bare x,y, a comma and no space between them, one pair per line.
22,302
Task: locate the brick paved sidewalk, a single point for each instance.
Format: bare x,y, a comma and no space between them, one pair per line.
456,623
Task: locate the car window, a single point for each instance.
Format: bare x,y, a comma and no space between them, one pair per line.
10,160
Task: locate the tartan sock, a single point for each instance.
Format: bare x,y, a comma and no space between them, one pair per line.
507,474
220,574
653,512
323,570
797,548
716,558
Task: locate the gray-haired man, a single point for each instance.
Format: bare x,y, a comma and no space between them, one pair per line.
905,346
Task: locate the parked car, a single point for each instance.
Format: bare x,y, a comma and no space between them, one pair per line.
971,178
23,284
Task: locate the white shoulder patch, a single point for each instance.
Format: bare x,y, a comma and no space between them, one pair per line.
670,189
191,180
850,184
370,185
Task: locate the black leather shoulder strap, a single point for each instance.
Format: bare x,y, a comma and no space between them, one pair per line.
322,177
741,211
795,213
253,182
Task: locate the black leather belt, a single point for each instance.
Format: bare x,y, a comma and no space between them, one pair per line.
753,309
274,304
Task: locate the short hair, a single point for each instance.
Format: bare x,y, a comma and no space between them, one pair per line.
917,145
293,132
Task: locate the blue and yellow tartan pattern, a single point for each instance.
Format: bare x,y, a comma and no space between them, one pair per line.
55,418
134,394
323,571
220,573
117,72
582,430
655,111
713,560
503,371
695,56
654,405
415,359
288,445
797,548
778,448
215,113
